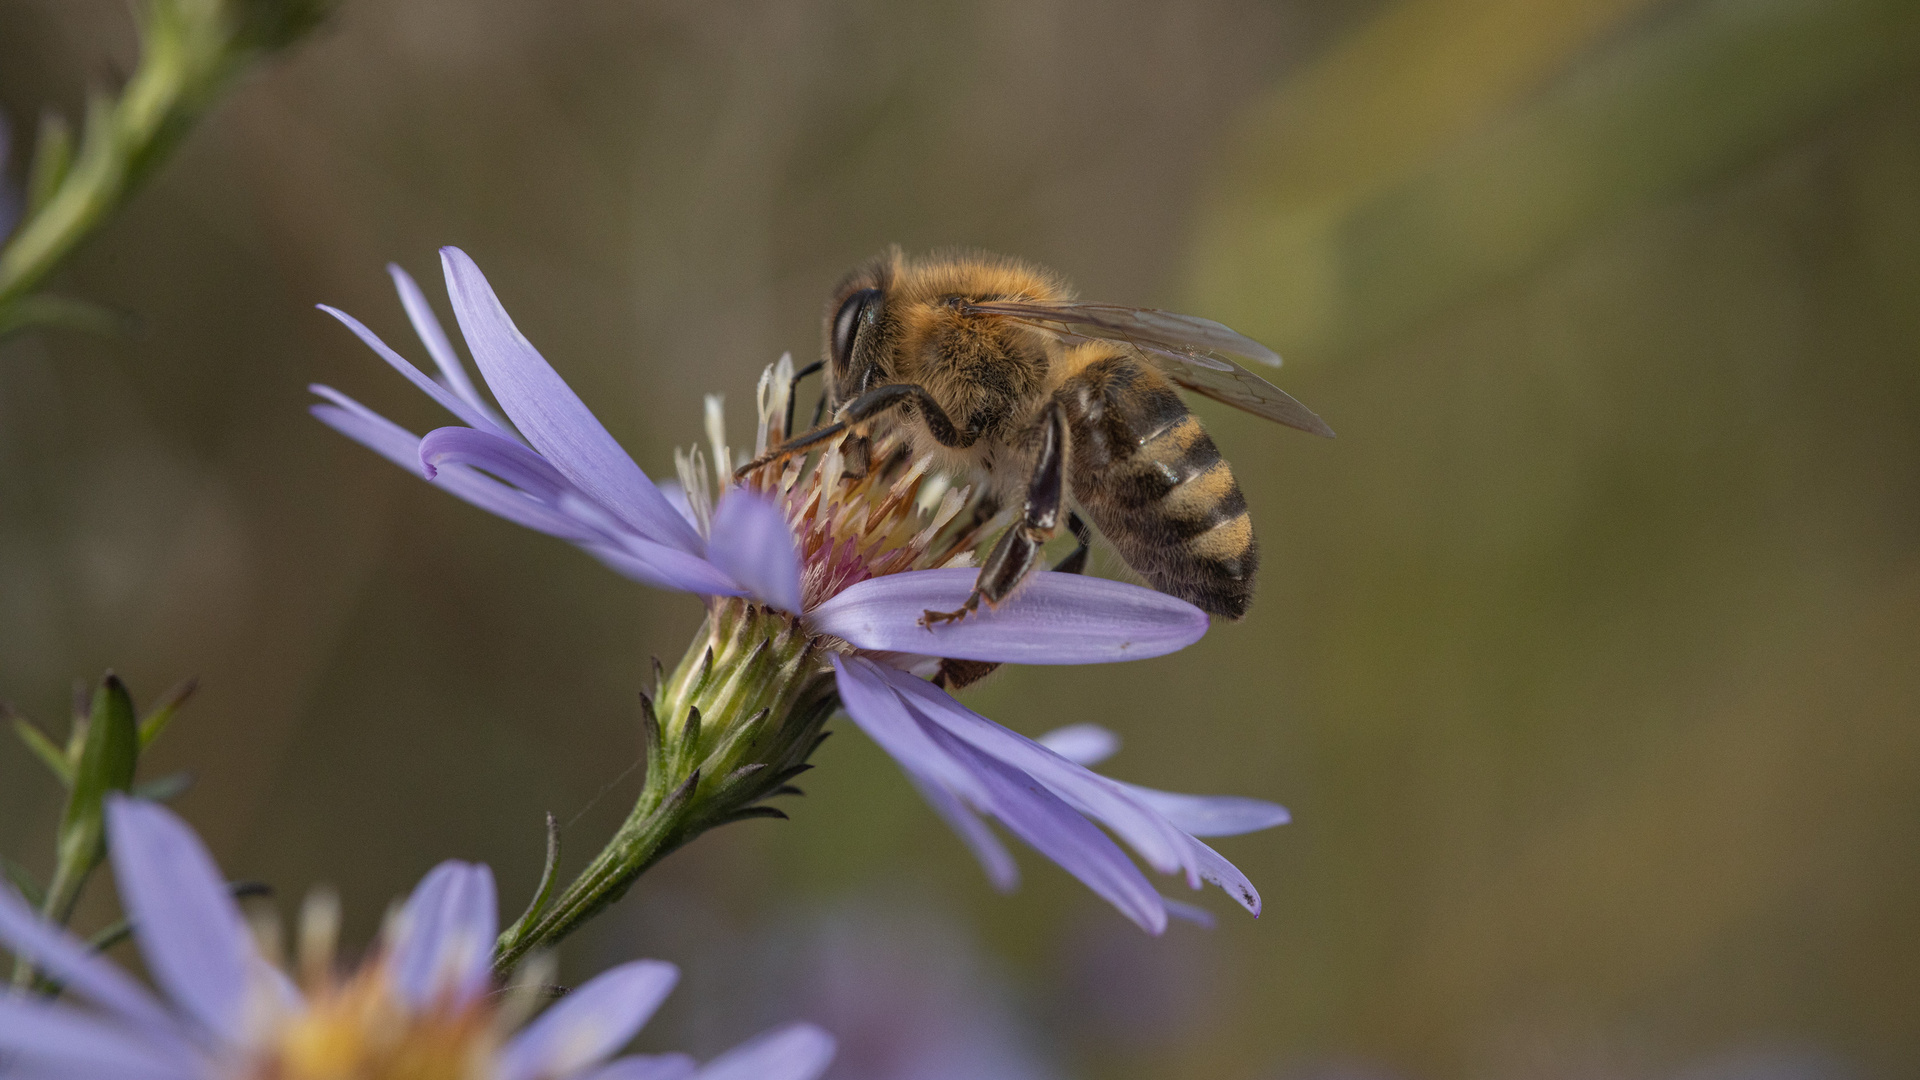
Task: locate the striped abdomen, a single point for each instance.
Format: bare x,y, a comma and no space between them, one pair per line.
1157,488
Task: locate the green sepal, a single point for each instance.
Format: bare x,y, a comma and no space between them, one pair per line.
164,710
50,754
106,764
543,893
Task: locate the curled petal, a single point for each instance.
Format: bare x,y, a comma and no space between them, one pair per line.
1052,619
497,454
402,447
191,933
589,1024
444,945
551,415
753,543
795,1052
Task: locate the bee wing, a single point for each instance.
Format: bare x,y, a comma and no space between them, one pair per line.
1192,351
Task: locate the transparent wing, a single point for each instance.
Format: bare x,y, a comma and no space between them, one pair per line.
1193,352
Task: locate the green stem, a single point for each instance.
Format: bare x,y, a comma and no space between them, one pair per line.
733,723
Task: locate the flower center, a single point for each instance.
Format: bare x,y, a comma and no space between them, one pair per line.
860,508
359,1030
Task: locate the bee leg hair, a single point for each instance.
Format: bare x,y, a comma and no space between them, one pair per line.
1019,547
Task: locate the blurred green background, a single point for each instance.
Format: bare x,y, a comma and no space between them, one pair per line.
1588,657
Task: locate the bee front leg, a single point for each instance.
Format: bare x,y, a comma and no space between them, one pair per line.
1019,547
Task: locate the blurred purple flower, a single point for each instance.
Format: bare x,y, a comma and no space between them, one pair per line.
856,555
425,1000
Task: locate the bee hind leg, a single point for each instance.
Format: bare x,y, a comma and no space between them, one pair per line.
1018,549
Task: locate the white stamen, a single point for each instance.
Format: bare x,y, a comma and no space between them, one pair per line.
776,387
717,438
692,467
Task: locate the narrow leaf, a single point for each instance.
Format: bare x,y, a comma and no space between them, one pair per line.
163,710
43,748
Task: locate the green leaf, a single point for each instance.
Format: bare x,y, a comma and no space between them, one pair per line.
163,711
43,748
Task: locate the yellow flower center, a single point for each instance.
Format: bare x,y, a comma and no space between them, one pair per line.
360,1030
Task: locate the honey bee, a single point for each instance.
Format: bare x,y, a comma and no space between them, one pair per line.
987,365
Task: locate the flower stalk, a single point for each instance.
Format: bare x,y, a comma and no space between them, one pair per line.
190,52
731,726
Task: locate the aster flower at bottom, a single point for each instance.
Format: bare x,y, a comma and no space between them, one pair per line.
423,1008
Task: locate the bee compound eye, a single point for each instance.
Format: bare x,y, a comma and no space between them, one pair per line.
846,324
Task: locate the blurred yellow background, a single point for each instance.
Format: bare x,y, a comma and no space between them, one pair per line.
1588,657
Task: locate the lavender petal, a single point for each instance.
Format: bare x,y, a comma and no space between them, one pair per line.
1164,847
369,429
402,447
65,1041
1082,744
753,543
993,857
590,1023
1052,619
191,933
443,946
427,325
794,1052
1054,829
446,398
551,415
867,693
1190,913
69,960
1211,815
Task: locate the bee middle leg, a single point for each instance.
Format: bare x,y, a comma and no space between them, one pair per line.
955,675
1019,547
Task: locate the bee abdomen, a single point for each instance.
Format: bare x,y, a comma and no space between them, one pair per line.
1174,511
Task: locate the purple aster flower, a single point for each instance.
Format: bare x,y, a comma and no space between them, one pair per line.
423,1007
817,571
